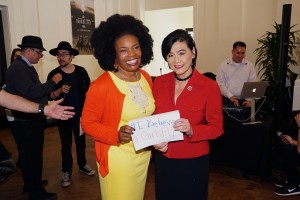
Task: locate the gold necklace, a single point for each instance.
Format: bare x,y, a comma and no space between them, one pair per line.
137,94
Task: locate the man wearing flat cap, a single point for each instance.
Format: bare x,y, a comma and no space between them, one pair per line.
28,129
74,85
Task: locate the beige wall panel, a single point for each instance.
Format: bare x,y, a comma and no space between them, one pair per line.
165,4
217,23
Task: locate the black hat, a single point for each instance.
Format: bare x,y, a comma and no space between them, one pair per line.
63,45
32,41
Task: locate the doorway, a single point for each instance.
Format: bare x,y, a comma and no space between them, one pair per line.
160,23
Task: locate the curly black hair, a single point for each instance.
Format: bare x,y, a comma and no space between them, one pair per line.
104,37
181,36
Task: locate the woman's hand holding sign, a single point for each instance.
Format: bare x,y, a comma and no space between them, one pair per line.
125,133
163,147
184,126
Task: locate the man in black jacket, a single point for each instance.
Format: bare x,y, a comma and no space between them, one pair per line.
7,165
72,88
28,129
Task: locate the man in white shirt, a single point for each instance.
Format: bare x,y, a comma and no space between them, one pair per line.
234,72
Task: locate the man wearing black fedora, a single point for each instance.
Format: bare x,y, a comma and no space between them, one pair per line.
28,129
75,83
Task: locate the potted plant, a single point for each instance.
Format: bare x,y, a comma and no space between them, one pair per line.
268,60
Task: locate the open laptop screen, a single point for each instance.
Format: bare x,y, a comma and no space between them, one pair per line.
254,90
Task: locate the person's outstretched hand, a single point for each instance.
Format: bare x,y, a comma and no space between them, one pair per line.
57,111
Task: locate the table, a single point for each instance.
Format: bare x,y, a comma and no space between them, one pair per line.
247,147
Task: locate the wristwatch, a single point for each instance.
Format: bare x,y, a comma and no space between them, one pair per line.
41,109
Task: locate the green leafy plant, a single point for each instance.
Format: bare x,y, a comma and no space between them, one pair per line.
267,59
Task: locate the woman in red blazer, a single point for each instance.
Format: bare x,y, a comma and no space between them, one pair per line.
181,167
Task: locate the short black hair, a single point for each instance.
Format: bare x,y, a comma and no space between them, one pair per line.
181,36
239,44
104,37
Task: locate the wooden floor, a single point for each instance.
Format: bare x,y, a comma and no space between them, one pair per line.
224,183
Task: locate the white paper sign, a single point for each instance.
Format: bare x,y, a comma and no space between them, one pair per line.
155,129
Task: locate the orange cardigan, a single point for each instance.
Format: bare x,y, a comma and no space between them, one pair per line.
101,116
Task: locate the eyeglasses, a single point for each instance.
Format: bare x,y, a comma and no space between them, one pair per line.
38,52
63,55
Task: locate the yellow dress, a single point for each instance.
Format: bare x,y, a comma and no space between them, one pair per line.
127,168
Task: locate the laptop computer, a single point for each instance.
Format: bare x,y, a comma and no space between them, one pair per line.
254,90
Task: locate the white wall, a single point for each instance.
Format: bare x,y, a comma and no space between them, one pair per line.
60,26
166,4
161,23
217,24
50,19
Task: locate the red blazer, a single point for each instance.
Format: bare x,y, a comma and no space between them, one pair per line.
201,103
101,116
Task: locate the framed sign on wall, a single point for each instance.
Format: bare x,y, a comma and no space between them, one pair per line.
83,24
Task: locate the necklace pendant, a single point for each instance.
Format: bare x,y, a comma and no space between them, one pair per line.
138,96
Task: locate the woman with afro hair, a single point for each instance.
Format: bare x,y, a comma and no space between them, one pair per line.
122,45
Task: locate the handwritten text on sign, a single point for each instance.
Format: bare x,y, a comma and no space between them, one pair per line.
155,129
